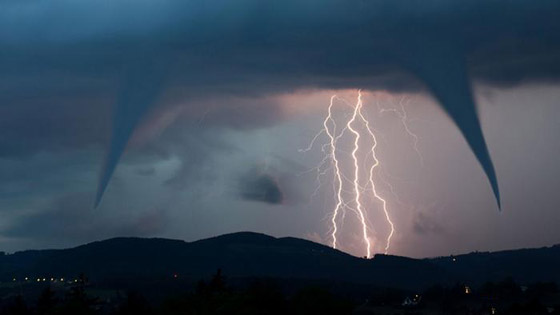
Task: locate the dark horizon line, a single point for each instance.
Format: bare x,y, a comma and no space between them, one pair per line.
274,237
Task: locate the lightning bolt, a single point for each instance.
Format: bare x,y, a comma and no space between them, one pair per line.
359,126
403,116
357,194
371,172
337,173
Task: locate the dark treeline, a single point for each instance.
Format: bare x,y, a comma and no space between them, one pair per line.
264,296
503,297
214,296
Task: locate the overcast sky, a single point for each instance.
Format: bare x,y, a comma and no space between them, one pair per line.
202,109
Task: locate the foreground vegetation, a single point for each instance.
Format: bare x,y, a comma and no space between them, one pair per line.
260,296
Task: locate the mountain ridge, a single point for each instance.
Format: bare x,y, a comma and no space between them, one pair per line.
250,254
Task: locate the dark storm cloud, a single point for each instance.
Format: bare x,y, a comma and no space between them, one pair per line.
170,52
71,217
148,171
262,188
47,124
311,37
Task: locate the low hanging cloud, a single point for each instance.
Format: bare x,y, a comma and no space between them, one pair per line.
261,188
424,224
168,53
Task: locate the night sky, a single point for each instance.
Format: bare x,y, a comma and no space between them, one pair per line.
187,119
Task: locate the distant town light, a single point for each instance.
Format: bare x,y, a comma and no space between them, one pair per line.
61,279
492,310
52,279
38,279
14,279
26,278
44,279
467,290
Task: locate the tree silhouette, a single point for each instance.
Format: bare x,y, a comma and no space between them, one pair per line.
17,307
46,304
77,300
135,304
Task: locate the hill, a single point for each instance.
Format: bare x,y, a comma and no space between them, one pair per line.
249,255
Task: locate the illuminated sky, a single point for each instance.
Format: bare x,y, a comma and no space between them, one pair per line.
217,132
